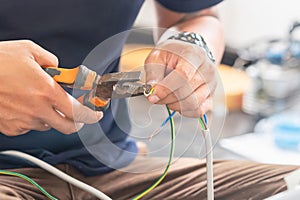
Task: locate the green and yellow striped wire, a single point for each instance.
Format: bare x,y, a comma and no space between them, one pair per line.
49,196
159,180
150,188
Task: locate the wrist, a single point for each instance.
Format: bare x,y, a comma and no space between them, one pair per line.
193,38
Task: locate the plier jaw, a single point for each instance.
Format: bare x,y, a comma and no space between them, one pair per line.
121,85
100,88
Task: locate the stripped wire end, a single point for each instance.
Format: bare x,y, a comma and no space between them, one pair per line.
161,126
155,132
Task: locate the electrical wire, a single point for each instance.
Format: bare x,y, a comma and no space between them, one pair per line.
205,119
209,157
99,194
150,188
208,146
40,188
80,184
58,173
156,131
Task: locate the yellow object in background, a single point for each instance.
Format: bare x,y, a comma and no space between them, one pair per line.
235,82
134,56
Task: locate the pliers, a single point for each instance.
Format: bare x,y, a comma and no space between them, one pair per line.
100,89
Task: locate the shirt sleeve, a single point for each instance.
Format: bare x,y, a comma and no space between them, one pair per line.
188,6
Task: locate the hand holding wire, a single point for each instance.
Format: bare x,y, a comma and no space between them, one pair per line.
184,77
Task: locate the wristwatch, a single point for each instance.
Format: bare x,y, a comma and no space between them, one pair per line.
194,38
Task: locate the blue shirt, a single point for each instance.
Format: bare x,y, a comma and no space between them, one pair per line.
71,29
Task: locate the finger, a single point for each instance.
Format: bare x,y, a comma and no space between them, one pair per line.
205,106
184,91
42,56
192,102
155,66
173,81
178,95
197,81
61,123
73,109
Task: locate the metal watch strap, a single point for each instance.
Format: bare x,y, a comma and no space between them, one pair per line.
194,38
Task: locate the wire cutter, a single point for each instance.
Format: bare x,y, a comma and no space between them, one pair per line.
100,89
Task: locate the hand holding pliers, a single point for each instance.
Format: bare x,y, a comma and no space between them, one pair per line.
100,88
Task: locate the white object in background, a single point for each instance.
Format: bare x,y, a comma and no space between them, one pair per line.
260,147
293,180
287,195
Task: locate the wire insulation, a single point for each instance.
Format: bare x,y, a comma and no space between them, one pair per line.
156,131
58,173
205,119
209,157
99,194
209,165
40,188
149,189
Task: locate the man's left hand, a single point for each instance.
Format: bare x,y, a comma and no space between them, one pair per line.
183,77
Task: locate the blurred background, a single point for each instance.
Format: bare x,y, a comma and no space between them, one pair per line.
256,108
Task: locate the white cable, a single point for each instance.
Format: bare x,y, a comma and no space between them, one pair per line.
58,173
209,165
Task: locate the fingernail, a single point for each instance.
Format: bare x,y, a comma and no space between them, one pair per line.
154,99
99,115
79,126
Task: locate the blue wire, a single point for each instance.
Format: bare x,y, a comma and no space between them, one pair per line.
170,116
205,119
173,113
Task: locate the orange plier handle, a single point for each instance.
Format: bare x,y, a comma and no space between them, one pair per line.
81,78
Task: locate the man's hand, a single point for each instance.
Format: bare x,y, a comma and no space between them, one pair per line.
30,99
183,77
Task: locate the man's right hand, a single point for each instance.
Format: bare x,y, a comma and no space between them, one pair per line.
30,99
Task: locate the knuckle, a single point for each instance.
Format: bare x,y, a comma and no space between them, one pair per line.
23,125
32,47
13,131
55,60
211,72
154,56
213,87
47,93
192,103
200,51
27,43
186,71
